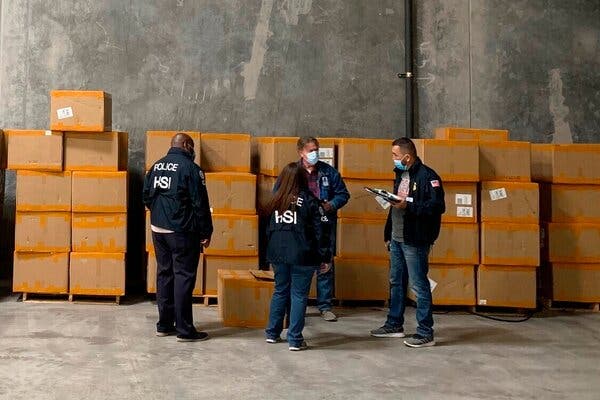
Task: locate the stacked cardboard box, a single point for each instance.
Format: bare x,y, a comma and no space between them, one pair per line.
455,254
362,262
570,191
43,205
96,159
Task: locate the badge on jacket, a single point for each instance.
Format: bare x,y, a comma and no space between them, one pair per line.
202,178
435,183
325,181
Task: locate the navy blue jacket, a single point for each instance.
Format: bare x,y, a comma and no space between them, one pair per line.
175,193
300,235
423,215
331,186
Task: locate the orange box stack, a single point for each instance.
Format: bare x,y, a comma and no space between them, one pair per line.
43,205
569,175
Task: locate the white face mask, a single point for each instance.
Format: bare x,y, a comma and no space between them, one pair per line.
313,157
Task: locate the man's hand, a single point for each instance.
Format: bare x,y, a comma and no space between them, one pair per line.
387,245
324,268
327,206
205,242
400,204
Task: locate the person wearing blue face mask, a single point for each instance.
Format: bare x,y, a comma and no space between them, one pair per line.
412,226
327,185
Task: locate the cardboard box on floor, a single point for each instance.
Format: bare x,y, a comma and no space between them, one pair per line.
80,110
451,285
34,150
99,192
41,273
507,286
363,204
99,274
43,191
505,161
231,192
225,152
99,232
513,202
106,151
510,244
360,238
576,282
158,144
151,275
214,263
452,160
361,279
574,243
461,202
43,232
570,203
274,153
234,235
365,158
566,163
457,244
244,300
456,133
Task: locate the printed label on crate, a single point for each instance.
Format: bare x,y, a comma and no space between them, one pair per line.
63,113
327,161
462,199
464,212
326,152
498,194
482,302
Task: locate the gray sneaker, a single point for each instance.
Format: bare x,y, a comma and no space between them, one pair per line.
419,341
388,331
328,316
302,346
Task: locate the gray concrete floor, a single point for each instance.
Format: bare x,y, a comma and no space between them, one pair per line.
95,351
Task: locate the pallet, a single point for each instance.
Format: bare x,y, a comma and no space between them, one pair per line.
84,298
210,300
44,297
571,305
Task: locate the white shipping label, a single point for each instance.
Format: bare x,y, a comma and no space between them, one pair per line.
63,113
326,152
463,199
482,302
432,283
48,133
382,202
464,212
498,194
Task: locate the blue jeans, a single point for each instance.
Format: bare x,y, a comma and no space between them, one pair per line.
410,261
292,284
325,289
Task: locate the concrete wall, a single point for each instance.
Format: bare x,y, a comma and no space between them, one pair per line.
293,67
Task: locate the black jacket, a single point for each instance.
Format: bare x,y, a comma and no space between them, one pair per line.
175,193
300,235
425,206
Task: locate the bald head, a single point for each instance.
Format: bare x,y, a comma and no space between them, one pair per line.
183,141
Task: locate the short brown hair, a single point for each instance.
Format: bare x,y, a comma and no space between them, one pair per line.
304,140
406,144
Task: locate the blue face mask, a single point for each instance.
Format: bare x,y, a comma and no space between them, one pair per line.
313,157
398,164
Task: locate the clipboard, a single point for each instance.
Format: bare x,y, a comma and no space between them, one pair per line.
384,194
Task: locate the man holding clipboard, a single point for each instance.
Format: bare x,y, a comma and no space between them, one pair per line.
412,226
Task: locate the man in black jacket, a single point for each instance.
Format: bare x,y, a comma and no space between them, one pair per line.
412,227
175,193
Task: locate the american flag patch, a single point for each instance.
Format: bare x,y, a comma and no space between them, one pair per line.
435,183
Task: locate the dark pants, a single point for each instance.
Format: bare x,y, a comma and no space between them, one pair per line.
177,256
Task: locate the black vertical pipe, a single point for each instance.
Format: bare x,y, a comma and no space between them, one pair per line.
408,64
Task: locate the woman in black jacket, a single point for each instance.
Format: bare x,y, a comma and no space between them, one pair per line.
298,243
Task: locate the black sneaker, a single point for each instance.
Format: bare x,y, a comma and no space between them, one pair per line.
166,333
273,340
419,341
196,337
300,347
388,331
